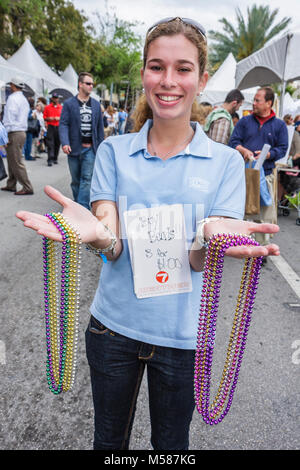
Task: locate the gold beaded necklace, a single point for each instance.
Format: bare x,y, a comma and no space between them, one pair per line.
61,294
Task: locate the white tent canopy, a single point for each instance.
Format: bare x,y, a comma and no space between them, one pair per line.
274,63
290,106
29,61
70,76
222,82
8,71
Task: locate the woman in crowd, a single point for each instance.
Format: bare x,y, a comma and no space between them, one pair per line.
109,114
29,134
38,142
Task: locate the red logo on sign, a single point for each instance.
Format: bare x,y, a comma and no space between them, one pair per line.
162,277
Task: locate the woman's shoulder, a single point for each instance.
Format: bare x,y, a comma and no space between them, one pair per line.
225,153
120,139
119,143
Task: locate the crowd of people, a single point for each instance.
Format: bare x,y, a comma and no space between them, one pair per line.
295,144
81,123
248,134
46,132
47,127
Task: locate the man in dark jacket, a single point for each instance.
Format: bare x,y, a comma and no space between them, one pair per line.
81,132
249,136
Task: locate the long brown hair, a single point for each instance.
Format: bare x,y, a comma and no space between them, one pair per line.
143,111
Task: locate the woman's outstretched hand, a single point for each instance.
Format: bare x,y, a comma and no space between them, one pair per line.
78,216
245,228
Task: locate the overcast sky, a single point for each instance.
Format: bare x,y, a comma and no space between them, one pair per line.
207,12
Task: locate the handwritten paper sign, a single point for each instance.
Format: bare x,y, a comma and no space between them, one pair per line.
158,253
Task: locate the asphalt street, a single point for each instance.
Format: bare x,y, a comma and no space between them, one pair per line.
266,407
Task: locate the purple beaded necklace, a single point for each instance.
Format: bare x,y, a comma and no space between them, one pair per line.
214,413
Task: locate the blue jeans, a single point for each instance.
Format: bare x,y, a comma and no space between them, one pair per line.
81,169
28,146
117,364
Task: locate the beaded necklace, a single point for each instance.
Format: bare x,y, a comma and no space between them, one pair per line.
172,149
61,316
61,298
218,244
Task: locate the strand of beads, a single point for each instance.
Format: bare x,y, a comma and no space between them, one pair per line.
218,244
61,298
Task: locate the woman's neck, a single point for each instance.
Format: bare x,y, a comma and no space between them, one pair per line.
170,132
168,138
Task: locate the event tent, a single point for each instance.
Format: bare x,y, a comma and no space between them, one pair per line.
222,82
9,71
290,106
29,61
277,62
70,76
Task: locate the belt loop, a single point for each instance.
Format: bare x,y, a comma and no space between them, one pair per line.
146,358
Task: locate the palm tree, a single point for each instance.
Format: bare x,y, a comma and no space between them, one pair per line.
247,36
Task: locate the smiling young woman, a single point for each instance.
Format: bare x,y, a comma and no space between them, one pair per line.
150,189
173,75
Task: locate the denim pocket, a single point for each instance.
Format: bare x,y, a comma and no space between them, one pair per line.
96,327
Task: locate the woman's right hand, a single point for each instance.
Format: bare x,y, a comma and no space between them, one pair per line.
80,218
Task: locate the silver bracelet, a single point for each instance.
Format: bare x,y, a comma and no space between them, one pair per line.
109,248
200,239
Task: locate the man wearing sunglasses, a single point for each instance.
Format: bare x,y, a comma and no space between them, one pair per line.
81,132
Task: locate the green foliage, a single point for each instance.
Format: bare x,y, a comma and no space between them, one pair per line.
64,39
62,35
117,57
288,89
247,36
17,21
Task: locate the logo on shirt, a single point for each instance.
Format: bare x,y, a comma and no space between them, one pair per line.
86,117
198,183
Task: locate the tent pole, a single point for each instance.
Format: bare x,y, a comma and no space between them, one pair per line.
111,94
284,82
283,87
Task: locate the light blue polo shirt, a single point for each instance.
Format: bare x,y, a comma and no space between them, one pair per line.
208,179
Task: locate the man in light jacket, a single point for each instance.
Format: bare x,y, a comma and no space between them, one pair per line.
15,120
81,132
